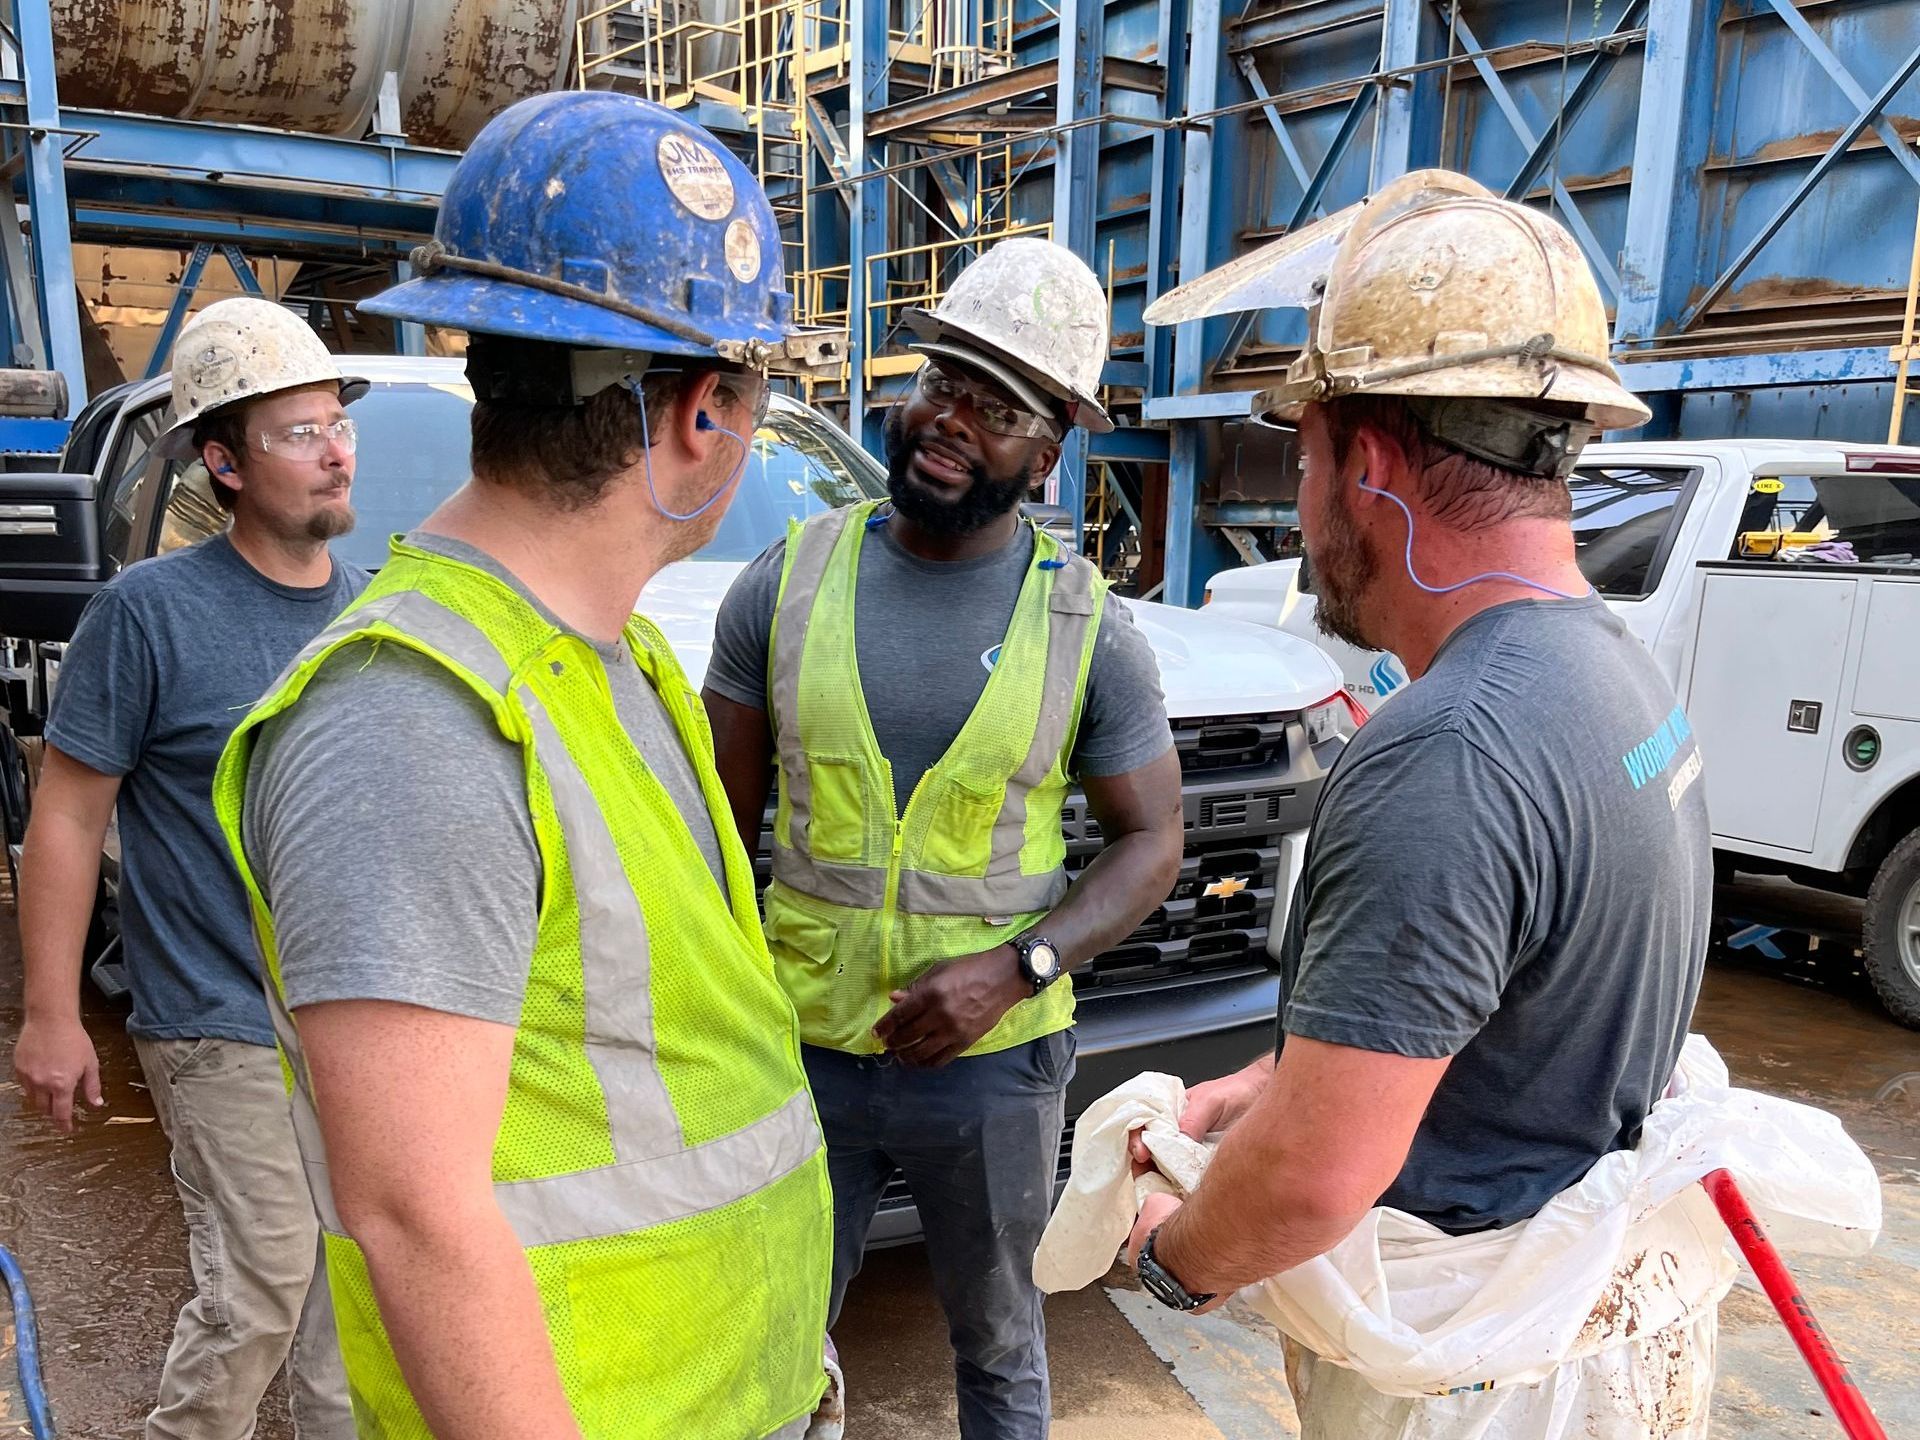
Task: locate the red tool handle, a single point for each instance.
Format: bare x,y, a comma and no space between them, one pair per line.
1849,1405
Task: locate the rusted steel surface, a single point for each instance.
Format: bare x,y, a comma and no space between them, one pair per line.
469,59
142,55
314,65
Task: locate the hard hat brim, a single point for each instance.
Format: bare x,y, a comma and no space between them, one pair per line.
176,441
1016,384
484,306
972,348
1607,403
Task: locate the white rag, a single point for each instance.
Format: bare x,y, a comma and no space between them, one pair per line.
1633,1249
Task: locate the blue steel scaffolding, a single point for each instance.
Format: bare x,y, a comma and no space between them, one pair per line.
1741,175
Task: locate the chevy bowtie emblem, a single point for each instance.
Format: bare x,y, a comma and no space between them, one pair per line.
1220,889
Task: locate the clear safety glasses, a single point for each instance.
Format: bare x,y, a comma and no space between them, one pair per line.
1001,417
310,441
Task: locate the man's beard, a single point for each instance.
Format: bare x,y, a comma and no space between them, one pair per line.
330,523
1344,568
983,502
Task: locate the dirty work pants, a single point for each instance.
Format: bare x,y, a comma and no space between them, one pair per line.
260,1295
978,1143
1653,1387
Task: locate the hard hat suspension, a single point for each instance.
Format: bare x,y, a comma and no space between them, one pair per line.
1513,437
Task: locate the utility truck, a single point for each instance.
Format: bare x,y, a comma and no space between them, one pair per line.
1256,713
1777,584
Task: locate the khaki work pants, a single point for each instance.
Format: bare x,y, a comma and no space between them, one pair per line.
260,1292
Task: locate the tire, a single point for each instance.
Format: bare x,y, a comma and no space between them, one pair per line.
1892,932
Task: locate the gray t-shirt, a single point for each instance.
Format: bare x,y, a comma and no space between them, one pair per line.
1511,865
388,824
926,634
165,663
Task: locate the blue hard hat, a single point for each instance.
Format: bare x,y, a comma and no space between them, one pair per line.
600,220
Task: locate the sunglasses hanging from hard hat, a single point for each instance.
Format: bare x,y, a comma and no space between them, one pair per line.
309,442
999,416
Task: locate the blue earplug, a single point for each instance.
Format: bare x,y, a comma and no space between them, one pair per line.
701,422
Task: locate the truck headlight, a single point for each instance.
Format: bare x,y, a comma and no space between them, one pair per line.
1323,720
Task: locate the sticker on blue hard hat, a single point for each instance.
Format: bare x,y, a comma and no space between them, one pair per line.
696,176
743,251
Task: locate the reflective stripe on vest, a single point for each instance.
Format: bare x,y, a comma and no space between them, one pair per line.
1003,889
657,1178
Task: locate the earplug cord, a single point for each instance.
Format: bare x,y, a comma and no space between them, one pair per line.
703,423
1471,579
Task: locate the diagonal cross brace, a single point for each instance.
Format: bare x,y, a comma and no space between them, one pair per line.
1576,222
1841,76
1578,98
1295,163
1316,190
1812,178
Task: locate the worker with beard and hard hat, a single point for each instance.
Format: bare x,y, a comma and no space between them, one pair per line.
162,667
1499,933
932,675
548,1091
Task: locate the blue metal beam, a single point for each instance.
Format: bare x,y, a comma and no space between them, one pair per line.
1595,252
1129,442
1599,66
1250,72
1314,18
177,311
242,271
250,155
866,231
1163,228
169,228
1190,360
1393,126
52,239
1670,144
409,336
1805,188
1856,365
1075,190
1841,76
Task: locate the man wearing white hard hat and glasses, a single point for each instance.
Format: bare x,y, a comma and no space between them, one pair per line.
932,674
163,665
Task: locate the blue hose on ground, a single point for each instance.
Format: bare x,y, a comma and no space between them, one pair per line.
26,1339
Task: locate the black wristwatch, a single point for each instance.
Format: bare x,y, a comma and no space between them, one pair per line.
1161,1284
1039,960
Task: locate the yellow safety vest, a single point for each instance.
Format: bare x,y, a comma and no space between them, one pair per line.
864,899
659,1157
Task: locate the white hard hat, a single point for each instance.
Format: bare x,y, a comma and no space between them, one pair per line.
1433,288
1031,314
236,349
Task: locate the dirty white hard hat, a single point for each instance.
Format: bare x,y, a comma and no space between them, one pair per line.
1435,287
235,350
1032,308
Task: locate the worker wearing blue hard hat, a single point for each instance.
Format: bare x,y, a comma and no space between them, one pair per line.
548,1089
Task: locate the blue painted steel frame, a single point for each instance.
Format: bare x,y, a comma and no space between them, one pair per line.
52,239
866,231
1075,191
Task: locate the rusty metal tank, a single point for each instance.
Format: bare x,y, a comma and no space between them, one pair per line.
313,65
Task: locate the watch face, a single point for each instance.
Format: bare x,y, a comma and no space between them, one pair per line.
1043,959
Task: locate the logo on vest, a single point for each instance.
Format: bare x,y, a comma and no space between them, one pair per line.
990,658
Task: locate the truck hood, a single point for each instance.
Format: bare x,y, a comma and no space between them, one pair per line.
1208,666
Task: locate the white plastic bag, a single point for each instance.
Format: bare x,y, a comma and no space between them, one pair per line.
1634,1249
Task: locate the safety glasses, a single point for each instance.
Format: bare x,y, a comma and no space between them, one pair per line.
310,441
1001,417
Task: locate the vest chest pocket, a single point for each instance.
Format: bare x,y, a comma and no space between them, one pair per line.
959,837
836,823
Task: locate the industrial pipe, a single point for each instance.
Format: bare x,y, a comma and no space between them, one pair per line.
1849,1405
33,392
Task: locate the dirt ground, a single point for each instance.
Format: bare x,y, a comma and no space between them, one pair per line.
96,1225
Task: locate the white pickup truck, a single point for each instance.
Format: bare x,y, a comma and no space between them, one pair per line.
1256,714
1777,583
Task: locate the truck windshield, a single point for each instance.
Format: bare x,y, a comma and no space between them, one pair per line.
413,454
1836,519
